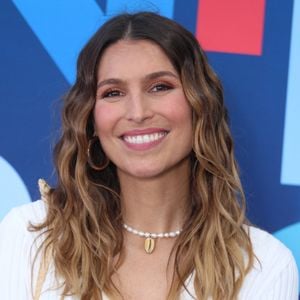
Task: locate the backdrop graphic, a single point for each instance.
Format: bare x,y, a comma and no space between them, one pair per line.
252,45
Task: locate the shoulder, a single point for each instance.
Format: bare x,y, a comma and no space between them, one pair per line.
16,245
271,254
22,216
14,228
267,248
274,268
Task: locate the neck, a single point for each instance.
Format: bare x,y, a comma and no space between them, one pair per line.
158,204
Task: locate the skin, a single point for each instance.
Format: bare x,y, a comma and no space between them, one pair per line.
139,92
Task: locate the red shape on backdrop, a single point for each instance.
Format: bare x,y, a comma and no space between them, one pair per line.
234,26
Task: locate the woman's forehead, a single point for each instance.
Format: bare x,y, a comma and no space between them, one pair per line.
127,57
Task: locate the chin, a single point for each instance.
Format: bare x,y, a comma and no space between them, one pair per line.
143,172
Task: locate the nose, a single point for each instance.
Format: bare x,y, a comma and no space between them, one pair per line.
138,108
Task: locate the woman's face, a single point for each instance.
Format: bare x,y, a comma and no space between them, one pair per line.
142,117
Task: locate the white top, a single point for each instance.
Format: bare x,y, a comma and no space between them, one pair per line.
276,277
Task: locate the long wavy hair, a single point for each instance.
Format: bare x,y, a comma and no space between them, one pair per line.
83,227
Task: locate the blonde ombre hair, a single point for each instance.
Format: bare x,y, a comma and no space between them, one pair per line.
83,227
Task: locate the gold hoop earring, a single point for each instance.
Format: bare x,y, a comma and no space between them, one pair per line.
99,166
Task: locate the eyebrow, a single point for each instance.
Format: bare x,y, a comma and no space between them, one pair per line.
150,76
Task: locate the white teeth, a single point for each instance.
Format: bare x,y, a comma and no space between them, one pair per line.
145,138
139,139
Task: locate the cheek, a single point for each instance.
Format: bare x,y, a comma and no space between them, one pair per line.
105,118
181,112
181,115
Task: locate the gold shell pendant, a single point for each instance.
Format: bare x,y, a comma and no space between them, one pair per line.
149,245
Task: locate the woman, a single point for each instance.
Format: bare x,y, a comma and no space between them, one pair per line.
148,203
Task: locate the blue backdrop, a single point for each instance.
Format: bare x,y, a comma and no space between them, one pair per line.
40,41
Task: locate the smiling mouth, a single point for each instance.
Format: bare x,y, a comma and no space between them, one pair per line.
144,138
143,141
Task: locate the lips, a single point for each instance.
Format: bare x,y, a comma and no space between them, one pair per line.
143,139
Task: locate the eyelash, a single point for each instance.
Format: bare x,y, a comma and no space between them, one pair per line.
160,86
111,93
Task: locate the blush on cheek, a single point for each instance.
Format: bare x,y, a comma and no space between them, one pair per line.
104,117
181,112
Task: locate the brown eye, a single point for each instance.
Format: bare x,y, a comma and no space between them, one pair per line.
161,87
112,93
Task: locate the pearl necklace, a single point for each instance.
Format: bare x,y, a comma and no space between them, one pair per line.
150,237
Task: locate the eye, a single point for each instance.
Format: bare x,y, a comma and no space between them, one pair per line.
111,93
160,87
